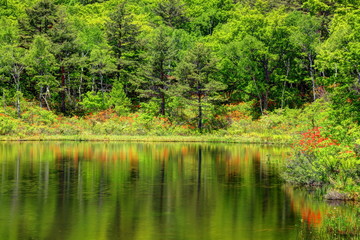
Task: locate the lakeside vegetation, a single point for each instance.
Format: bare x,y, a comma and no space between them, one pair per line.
258,71
323,155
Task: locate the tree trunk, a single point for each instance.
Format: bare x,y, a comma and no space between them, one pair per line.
200,113
283,91
102,88
40,97
265,96
4,100
18,108
101,83
63,91
17,82
16,71
358,73
265,100
47,104
258,94
81,81
282,96
162,107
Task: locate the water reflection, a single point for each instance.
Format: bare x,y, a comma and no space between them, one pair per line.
67,190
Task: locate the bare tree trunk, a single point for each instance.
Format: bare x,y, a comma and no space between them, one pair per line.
47,104
93,84
18,108
17,82
200,112
45,96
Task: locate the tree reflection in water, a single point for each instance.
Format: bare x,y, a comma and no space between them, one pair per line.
82,190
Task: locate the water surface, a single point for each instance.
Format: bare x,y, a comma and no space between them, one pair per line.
84,190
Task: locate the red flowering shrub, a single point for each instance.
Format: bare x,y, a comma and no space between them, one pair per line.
322,160
313,139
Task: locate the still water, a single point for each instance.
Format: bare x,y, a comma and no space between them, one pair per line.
84,190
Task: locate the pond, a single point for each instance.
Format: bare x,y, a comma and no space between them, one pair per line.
116,190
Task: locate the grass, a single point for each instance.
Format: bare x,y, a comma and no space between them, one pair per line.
141,138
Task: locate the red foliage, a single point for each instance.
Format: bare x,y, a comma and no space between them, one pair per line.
313,139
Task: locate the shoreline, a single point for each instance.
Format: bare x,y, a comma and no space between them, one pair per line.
140,138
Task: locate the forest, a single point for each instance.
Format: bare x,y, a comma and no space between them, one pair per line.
283,71
181,59
249,71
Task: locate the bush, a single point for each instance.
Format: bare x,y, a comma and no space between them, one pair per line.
95,101
8,124
321,160
38,116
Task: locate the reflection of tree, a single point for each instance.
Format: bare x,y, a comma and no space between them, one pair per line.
199,170
134,166
311,213
123,191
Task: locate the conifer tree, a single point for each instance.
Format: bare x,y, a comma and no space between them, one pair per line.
40,19
157,73
172,12
122,35
197,81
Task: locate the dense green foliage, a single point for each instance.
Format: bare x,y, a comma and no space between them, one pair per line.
177,53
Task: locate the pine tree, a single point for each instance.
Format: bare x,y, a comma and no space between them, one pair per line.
196,80
123,34
40,19
157,73
172,12
65,49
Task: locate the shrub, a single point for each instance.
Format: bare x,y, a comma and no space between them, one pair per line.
321,160
8,124
118,100
95,101
38,116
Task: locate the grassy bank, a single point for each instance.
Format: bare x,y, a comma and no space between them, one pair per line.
235,125
173,138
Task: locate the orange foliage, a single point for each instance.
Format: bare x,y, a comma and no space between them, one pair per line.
312,139
101,116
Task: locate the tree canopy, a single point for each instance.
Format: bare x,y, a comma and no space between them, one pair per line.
122,54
